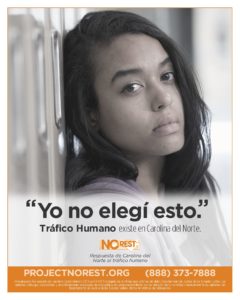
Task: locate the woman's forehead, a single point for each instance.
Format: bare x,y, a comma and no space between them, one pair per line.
129,50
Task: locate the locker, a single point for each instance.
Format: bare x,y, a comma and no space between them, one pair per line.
36,143
36,116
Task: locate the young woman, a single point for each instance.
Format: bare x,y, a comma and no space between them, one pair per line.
132,101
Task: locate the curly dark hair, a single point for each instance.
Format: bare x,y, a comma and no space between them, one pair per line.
185,170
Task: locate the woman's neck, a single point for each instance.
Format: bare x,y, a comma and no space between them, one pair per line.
149,174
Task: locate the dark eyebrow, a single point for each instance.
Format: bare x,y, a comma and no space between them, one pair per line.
166,61
122,73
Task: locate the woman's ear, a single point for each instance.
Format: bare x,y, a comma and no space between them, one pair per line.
93,116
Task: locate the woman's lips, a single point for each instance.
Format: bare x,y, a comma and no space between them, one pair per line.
166,129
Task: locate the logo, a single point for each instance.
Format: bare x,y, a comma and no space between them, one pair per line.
119,245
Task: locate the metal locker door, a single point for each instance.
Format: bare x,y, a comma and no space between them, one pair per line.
55,107
35,128
36,112
55,117
28,162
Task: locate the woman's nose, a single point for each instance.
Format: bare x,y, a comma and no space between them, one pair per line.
160,98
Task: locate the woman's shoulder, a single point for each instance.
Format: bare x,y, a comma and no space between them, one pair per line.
111,185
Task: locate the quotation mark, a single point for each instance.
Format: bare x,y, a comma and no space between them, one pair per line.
203,202
31,203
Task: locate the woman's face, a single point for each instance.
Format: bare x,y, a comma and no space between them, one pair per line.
140,107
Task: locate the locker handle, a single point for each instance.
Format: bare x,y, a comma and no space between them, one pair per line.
57,76
40,74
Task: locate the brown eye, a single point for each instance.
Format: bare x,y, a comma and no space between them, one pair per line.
169,76
131,88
